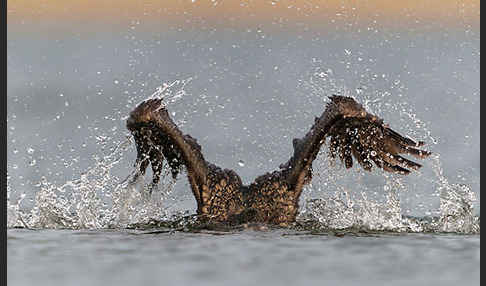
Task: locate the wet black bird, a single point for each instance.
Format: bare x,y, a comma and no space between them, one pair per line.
273,197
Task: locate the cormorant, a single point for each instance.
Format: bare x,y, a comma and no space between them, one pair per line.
273,197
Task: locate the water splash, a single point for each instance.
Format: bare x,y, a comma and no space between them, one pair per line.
346,209
132,206
341,211
171,92
98,199
456,204
13,209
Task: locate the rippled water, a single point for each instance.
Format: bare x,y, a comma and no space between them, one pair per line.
277,257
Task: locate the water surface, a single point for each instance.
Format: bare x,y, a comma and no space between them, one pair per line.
277,257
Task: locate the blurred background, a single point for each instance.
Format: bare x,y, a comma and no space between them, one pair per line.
255,73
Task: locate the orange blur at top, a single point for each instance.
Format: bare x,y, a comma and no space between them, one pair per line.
312,13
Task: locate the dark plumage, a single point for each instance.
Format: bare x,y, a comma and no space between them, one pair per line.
273,197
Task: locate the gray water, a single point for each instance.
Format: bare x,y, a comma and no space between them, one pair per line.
66,257
244,91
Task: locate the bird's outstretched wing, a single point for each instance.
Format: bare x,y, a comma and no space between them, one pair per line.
158,137
352,132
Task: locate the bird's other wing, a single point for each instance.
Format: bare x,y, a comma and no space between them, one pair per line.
157,138
352,132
